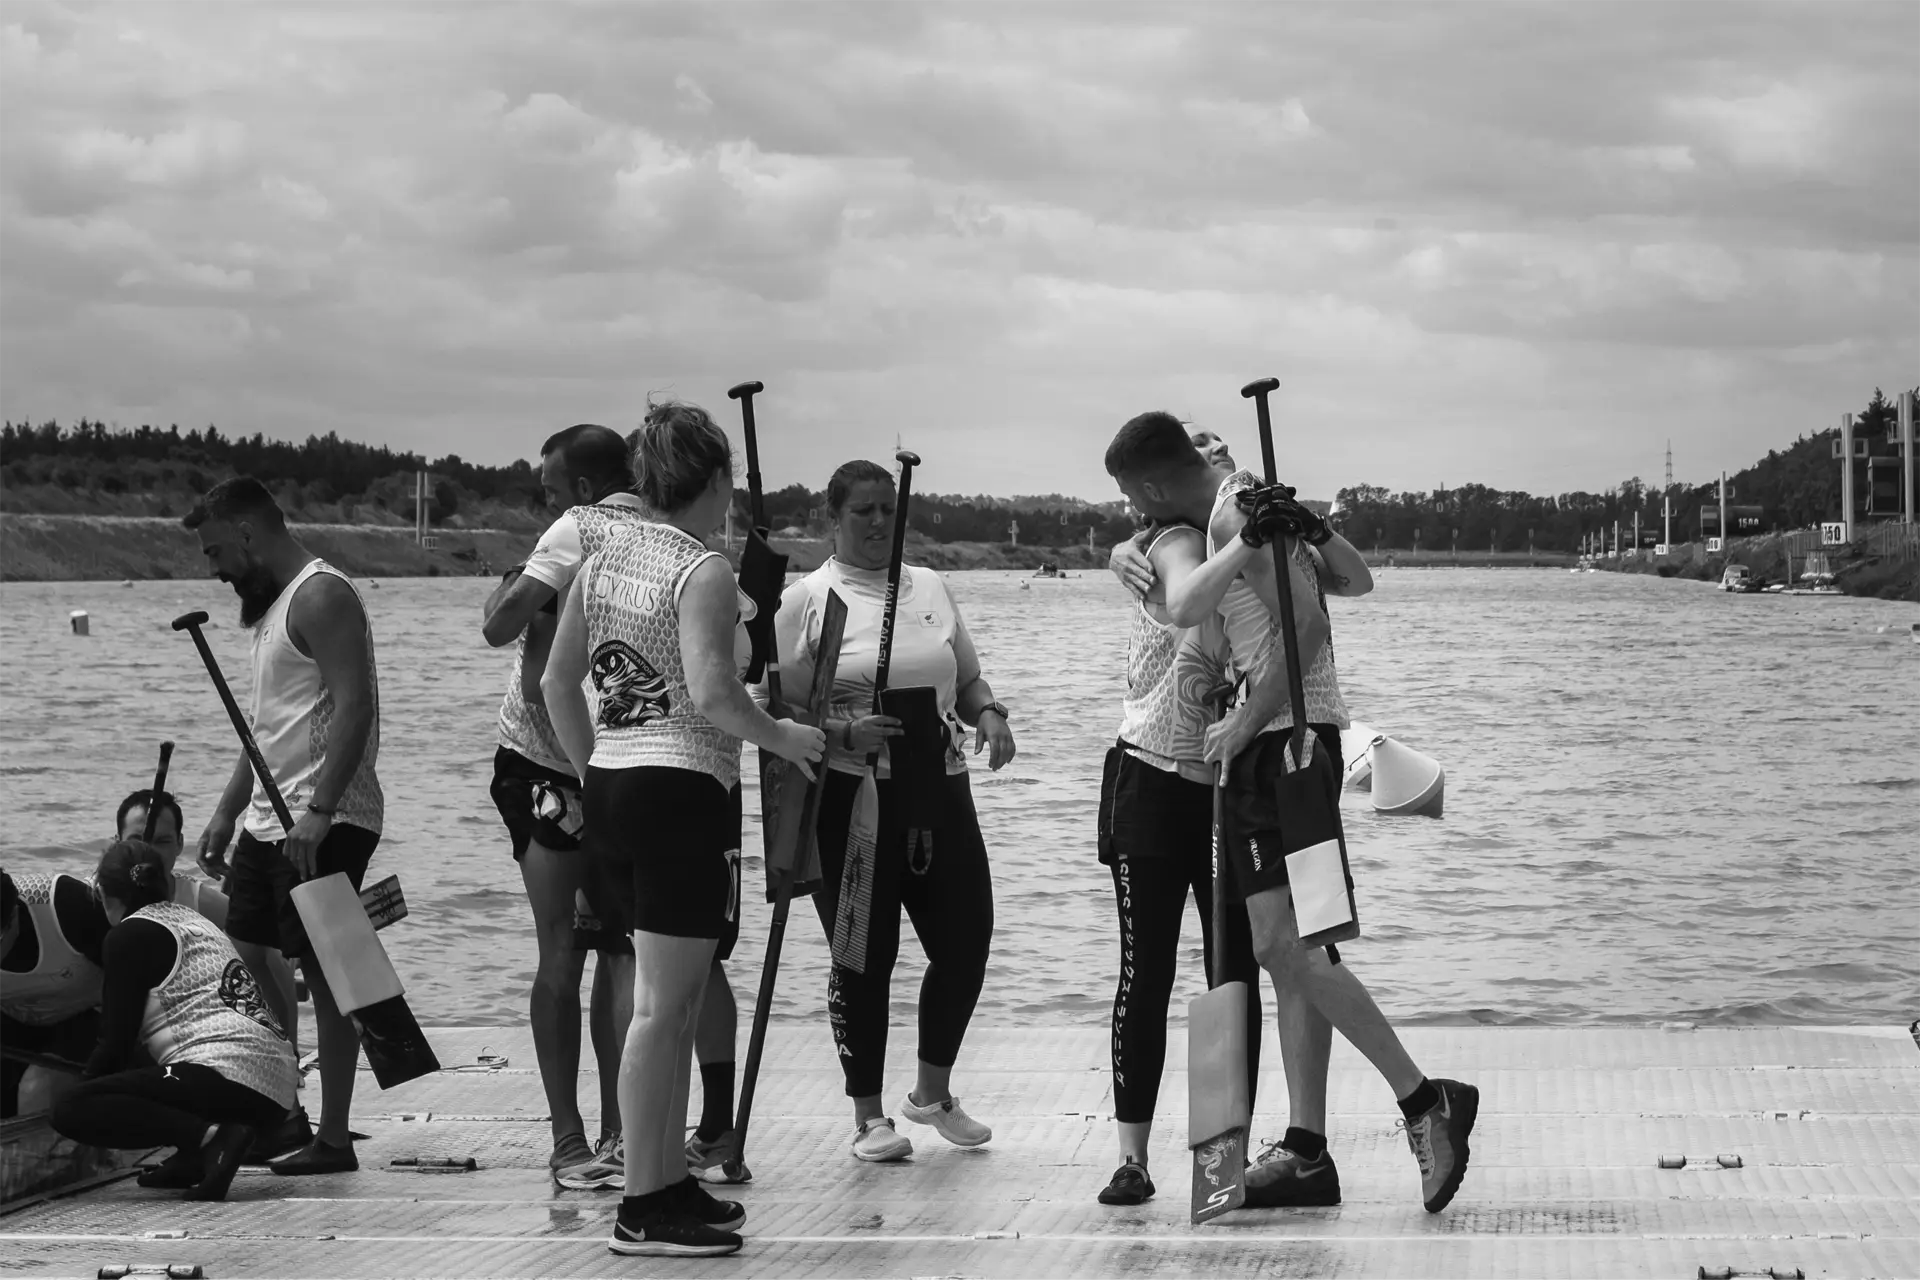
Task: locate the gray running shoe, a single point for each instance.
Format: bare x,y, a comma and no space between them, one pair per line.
1439,1141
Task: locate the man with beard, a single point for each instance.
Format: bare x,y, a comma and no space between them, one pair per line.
315,712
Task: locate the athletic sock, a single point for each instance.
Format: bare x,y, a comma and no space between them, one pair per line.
716,1110
1305,1143
635,1208
1422,1100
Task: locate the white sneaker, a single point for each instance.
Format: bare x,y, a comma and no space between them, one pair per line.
876,1142
954,1124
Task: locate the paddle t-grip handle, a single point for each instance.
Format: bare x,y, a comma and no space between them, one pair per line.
191,623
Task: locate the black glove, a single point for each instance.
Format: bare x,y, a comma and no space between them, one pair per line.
1307,522
1269,514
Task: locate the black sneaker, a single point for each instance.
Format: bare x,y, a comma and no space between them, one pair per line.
1282,1179
1439,1141
177,1172
704,1207
294,1131
220,1160
671,1234
1129,1185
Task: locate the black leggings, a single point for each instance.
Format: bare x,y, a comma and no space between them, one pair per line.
159,1107
951,907
1151,894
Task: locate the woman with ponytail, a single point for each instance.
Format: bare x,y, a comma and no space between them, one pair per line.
175,986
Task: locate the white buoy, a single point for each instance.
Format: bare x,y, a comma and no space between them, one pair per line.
1406,781
78,621
1356,748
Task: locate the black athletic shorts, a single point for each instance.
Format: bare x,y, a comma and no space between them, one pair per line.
536,803
260,906
1250,806
678,832
1153,813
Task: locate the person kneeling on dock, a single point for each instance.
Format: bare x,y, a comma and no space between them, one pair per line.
175,986
1157,467
210,900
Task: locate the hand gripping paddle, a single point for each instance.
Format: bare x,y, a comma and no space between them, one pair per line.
358,972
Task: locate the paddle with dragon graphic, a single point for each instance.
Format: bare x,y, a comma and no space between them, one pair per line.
1219,1107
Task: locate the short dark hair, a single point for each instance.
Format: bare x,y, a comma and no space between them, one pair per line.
849,474
133,873
236,499
149,801
593,453
1155,442
676,453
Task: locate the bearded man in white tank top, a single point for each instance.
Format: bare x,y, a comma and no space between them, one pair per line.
315,713
1156,465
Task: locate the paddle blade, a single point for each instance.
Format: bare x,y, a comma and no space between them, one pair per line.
763,576
397,1050
783,804
1218,1109
855,906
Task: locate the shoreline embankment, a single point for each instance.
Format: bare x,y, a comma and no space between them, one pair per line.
1864,568
91,548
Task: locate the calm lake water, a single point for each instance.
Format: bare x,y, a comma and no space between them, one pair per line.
1663,803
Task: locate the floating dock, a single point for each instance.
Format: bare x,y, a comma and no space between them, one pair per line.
1801,1147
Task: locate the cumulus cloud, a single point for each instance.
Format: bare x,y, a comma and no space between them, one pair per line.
1516,244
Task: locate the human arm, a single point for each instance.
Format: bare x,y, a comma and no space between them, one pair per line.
563,680
327,623
709,606
1131,566
533,659
226,812
137,957
555,560
1195,582
973,699
1342,569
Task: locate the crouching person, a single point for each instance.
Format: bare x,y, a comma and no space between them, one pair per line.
174,985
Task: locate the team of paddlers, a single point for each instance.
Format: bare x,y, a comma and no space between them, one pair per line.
642,666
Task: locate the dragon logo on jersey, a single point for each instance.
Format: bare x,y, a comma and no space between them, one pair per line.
631,691
240,993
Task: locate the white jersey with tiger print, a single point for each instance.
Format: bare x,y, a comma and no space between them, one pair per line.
1173,676
1245,616
526,728
210,1011
646,715
291,713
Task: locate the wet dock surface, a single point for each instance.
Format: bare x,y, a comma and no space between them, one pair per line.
1565,1178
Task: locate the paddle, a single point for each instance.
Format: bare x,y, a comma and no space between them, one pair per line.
356,966
863,828
1219,1110
159,785
792,839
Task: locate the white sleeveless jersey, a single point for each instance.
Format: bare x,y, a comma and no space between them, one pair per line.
1172,675
1246,615
646,715
62,983
526,728
210,1011
291,710
925,624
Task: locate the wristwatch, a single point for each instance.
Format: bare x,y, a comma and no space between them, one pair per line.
998,708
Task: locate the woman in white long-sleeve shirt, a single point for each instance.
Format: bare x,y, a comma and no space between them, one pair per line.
949,894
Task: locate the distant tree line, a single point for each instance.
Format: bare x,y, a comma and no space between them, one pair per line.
1795,488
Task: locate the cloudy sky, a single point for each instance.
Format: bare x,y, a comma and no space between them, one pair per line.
1521,245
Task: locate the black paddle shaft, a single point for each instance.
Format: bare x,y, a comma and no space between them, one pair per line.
190,623
832,631
908,461
159,785
1258,392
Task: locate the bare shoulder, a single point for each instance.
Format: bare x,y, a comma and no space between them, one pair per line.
325,606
